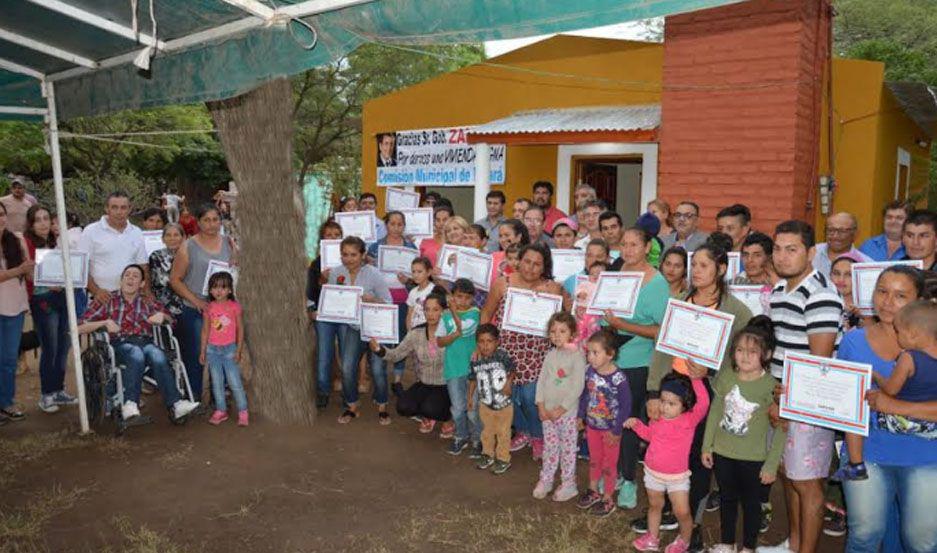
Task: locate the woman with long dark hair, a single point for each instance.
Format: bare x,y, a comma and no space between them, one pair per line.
15,268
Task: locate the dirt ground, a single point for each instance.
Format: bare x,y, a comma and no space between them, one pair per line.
362,487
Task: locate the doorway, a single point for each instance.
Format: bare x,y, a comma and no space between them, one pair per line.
616,180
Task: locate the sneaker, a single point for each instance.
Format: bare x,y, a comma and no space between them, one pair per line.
457,447
182,408
646,542
536,447
447,431
783,547
47,403
667,522
484,462
61,398
129,410
602,508
766,513
542,489
500,467
836,526
678,545
475,451
218,417
565,492
243,418
519,442
588,499
696,540
712,501
851,471
722,548
628,495
427,426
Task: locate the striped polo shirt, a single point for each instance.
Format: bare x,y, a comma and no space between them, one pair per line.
813,307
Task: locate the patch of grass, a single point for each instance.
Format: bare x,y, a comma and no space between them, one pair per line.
144,540
34,447
22,530
178,458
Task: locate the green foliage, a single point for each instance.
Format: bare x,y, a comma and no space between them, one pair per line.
85,193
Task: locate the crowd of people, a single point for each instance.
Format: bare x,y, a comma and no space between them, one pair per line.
593,386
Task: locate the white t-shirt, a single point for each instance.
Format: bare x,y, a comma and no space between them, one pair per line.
110,251
415,300
172,200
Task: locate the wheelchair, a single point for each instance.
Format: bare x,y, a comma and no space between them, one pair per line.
103,376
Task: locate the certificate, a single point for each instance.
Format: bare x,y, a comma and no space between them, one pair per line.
340,304
215,266
696,333
153,241
826,392
475,266
567,263
362,224
585,301
50,269
528,312
864,277
330,253
419,221
379,321
396,199
396,259
732,271
616,291
750,295
446,260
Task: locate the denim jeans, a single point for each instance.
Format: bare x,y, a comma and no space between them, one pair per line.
351,347
326,334
870,504
190,342
50,317
135,358
224,368
526,416
11,330
467,423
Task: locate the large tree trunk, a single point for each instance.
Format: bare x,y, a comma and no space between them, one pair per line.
256,134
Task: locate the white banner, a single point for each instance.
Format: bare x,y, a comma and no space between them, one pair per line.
432,157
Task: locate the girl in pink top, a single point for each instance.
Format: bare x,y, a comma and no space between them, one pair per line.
666,463
222,344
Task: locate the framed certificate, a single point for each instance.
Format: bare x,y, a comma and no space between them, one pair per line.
567,263
340,304
579,279
419,221
396,199
396,259
153,241
362,224
616,291
50,268
215,266
864,277
826,392
330,253
750,295
379,321
696,333
475,266
446,260
528,312
732,271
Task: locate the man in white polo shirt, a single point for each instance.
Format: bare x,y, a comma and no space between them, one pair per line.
112,243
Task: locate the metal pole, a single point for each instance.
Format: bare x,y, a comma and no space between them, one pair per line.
52,120
482,178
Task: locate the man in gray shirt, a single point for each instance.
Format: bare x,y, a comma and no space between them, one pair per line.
494,203
686,234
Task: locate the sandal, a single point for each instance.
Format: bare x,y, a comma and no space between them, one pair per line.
427,426
347,416
12,413
383,418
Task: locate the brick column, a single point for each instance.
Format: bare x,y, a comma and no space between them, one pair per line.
741,103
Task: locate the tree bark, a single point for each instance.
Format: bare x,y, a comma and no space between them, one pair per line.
256,132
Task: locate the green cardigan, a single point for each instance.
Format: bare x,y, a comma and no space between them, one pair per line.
662,363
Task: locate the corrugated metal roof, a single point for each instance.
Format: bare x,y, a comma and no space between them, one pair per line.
580,119
919,101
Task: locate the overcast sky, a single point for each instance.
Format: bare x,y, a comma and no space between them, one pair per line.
630,31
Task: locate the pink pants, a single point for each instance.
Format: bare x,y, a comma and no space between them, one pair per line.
603,458
559,449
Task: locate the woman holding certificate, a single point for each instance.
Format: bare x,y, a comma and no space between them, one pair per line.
634,355
535,273
511,232
895,506
429,247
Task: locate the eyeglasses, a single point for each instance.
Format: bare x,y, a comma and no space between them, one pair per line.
679,215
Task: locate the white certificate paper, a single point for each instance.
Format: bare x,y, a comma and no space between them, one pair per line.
864,277
567,263
616,291
419,221
153,241
696,333
826,392
50,268
446,260
379,321
396,259
475,266
218,267
528,312
732,271
750,295
340,304
396,199
330,253
362,224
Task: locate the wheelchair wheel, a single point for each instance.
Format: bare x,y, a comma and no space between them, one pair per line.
95,361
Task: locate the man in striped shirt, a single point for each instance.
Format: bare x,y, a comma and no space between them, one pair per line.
806,312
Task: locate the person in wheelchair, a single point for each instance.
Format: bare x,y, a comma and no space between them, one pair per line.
128,317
